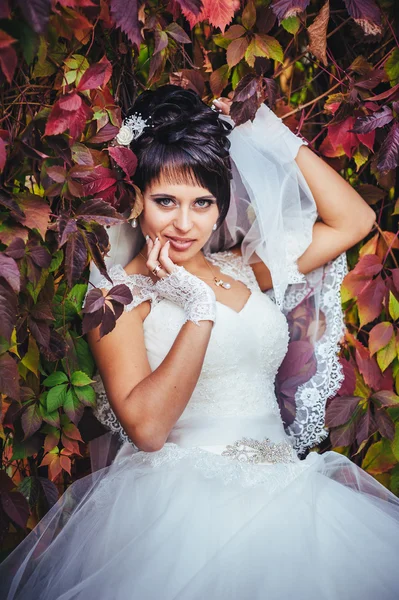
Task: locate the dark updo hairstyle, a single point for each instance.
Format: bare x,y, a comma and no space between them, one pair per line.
183,142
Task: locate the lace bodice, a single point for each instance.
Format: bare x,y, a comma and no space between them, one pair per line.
244,353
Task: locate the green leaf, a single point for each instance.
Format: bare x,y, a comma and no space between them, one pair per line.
77,294
379,458
395,442
72,406
393,307
55,379
392,67
79,379
79,354
270,46
56,397
86,395
56,261
291,24
394,485
386,355
221,41
30,488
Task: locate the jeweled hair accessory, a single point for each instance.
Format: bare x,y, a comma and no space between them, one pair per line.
131,129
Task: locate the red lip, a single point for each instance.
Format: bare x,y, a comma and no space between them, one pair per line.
179,239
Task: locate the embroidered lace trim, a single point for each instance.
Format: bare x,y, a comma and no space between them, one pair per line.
233,265
308,429
256,451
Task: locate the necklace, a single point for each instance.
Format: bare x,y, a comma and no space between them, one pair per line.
217,281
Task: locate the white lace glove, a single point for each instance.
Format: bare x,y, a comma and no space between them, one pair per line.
194,296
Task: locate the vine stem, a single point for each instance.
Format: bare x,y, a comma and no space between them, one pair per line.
302,106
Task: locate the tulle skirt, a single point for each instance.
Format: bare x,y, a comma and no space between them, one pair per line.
189,524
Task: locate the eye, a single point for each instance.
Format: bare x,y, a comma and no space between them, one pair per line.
164,201
203,203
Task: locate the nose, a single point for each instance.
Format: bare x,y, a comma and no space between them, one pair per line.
183,221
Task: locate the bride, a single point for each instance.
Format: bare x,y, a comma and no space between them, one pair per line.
207,496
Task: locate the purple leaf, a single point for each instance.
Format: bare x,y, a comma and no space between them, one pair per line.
9,203
75,257
371,122
105,134
8,309
365,426
36,12
31,420
16,507
366,13
194,6
40,331
42,312
247,87
384,423
70,227
124,158
340,409
288,8
40,256
388,157
9,377
50,490
99,211
91,320
56,348
125,16
95,300
9,270
16,249
108,321
120,293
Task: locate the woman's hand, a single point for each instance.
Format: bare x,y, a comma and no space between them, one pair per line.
223,105
176,284
158,255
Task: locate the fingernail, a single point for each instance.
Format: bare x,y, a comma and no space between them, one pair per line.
147,237
156,240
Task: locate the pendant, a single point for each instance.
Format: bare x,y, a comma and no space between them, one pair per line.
223,284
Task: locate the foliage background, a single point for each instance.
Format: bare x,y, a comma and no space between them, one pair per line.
69,71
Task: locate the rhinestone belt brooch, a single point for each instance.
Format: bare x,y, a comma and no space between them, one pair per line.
255,451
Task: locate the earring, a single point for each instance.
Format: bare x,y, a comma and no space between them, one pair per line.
134,223
214,227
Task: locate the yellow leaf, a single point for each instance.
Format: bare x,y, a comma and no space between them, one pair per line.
387,354
31,358
393,307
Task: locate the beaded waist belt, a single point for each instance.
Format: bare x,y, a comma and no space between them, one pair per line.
256,451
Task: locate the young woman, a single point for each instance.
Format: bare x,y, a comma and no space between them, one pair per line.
207,498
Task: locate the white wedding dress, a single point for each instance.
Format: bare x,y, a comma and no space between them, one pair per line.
190,523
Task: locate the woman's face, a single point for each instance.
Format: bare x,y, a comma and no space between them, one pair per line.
182,213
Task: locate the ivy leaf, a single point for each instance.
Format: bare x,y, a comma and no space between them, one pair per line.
56,397
340,409
86,395
367,14
370,301
236,51
194,6
177,33
249,15
380,336
31,420
125,16
392,67
125,159
16,507
9,270
75,257
386,398
377,119
36,212
80,379
55,378
219,80
270,46
96,76
393,307
288,8
8,56
386,355
379,458
384,424
8,309
365,427
73,407
388,156
9,377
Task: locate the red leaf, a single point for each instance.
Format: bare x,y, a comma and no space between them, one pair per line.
370,301
388,156
366,13
365,426
70,102
61,119
368,367
125,16
9,377
96,76
124,158
97,186
70,227
105,134
345,434
9,270
37,212
340,135
288,8
193,6
340,409
349,384
57,173
219,13
380,336
8,62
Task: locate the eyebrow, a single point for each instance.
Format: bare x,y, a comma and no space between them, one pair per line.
208,197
